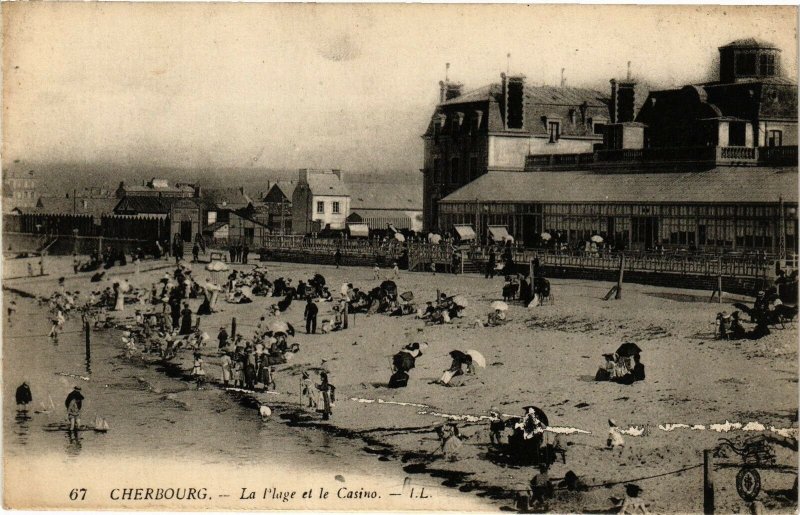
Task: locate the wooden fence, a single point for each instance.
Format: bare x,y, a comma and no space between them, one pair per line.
727,265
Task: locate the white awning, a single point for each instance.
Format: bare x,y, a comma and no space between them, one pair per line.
465,232
499,233
358,230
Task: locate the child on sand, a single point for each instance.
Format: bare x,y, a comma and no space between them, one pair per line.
197,372
238,374
615,439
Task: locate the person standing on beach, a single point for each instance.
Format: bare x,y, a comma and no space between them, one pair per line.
311,316
337,257
327,396
222,337
198,372
23,396
74,403
490,265
227,369
186,320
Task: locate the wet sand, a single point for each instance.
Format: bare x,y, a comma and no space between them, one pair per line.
545,356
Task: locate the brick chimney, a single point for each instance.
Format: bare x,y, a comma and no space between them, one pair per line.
454,90
623,99
513,100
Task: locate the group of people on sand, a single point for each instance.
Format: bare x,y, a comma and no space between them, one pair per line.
622,369
443,311
169,327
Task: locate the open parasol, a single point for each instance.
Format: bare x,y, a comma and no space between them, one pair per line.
460,301
477,358
597,238
217,266
434,238
546,236
499,305
399,237
628,349
407,296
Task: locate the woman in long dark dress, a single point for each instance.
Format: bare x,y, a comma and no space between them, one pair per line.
250,370
175,310
186,320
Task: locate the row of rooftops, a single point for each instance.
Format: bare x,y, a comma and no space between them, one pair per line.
158,197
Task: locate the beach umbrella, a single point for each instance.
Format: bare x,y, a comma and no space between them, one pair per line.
597,238
279,326
628,349
407,296
247,292
546,236
434,238
399,237
499,304
477,358
460,301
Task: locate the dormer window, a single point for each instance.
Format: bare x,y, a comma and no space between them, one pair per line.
454,126
478,119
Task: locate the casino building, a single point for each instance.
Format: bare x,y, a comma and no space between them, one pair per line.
707,167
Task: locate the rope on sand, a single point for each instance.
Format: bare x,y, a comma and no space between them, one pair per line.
673,472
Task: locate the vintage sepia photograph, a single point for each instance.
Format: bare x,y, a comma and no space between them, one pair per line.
399,257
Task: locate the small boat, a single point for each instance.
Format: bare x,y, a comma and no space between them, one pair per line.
100,425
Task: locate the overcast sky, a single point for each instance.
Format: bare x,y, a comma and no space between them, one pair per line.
334,86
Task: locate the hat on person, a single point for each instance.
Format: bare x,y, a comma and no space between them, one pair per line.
76,388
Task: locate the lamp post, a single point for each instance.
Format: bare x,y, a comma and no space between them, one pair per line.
40,230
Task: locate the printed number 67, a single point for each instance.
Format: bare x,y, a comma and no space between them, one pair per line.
77,494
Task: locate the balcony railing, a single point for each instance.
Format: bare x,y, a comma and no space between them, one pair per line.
778,155
700,157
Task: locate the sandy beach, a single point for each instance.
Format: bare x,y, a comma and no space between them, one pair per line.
545,356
